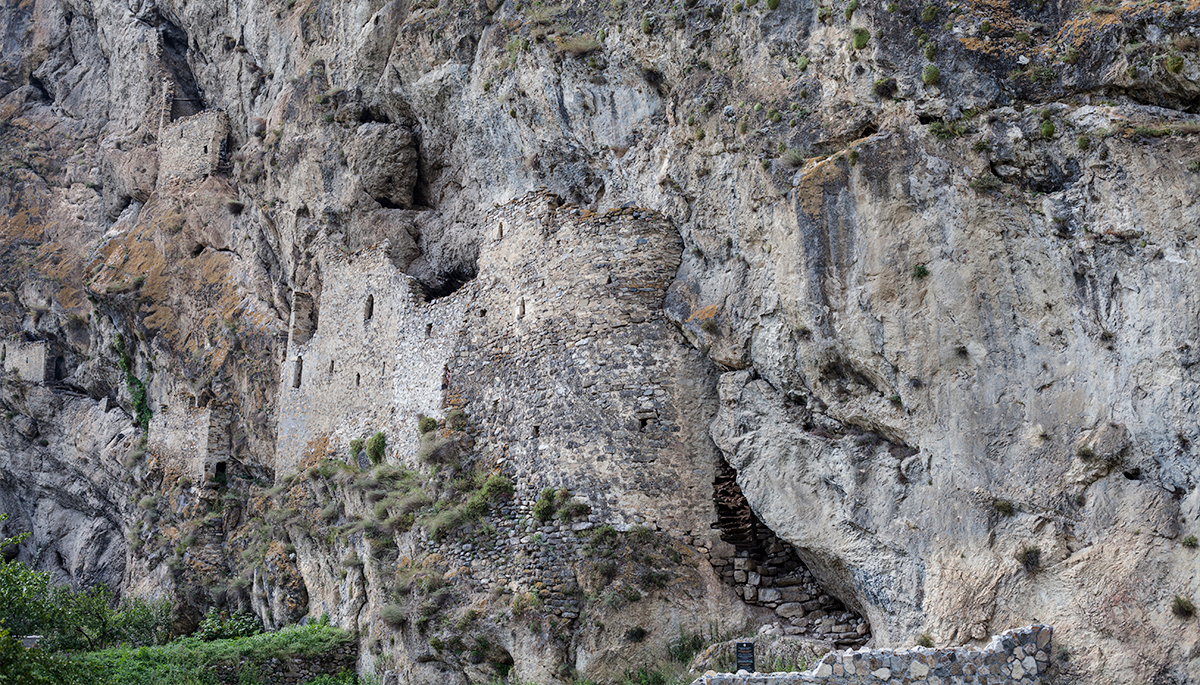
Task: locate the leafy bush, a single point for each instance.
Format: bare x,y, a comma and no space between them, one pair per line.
860,39
356,446
1004,507
218,625
375,447
985,182
576,46
1174,63
824,13
426,424
924,640
1190,542
393,615
772,4
929,13
850,8
920,271
945,131
1047,129
21,666
930,75
497,487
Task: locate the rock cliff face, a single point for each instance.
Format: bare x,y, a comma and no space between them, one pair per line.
866,319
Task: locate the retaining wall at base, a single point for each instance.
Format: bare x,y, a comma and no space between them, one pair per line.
1018,657
293,671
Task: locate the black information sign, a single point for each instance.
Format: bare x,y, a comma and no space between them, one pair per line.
745,656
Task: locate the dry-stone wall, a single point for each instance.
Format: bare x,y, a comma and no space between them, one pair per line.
294,670
1018,657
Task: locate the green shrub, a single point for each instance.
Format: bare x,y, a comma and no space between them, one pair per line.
850,9
1047,129
1023,37
426,424
930,75
497,487
1029,557
985,27
218,625
772,4
945,131
1190,542
802,63
930,50
1004,507
892,7
1083,142
456,419
1071,57
985,182
356,446
1182,607
647,25
824,13
920,271
737,7
1174,63
860,39
929,13
924,640
544,508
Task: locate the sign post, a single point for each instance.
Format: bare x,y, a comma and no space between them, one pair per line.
745,656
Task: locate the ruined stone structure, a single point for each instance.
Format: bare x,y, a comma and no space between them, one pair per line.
30,361
190,148
1018,657
369,356
195,440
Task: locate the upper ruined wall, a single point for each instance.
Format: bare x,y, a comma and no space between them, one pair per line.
190,148
573,373
369,356
190,440
31,361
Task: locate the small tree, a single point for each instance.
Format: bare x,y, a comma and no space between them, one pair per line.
375,447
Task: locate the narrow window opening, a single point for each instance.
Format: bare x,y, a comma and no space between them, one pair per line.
428,330
383,372
521,308
206,149
330,366
297,372
221,466
642,423
370,310
357,379
537,431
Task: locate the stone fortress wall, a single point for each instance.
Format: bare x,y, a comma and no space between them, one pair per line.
561,356
189,149
195,439
1018,657
369,356
30,361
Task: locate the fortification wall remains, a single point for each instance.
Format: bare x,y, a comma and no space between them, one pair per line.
1018,657
294,670
192,439
189,149
31,361
357,371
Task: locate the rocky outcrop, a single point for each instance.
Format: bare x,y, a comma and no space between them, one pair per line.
924,274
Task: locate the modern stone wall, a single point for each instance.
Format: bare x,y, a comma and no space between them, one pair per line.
189,149
1018,657
31,361
293,671
191,439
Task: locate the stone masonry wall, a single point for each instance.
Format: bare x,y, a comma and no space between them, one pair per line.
354,375
189,149
295,670
193,439
31,361
1018,657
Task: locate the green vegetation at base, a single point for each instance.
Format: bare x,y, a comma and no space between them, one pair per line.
192,661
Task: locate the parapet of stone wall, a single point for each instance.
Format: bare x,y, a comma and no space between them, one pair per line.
1018,657
31,361
189,149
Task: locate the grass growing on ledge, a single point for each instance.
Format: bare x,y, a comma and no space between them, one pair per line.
190,661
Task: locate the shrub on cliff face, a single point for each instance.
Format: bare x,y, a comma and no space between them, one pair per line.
931,75
1030,558
544,508
1182,607
375,447
426,424
356,446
